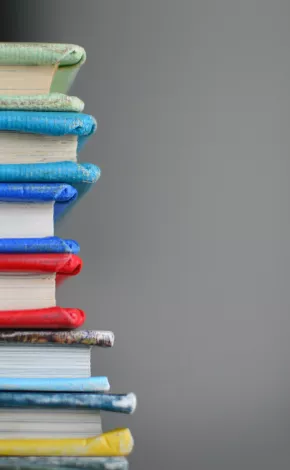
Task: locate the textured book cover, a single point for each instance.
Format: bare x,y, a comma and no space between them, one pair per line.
80,176
67,59
91,384
63,264
38,245
118,403
116,443
43,318
63,195
45,102
49,123
68,463
104,339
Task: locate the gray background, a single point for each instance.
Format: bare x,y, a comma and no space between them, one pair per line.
186,237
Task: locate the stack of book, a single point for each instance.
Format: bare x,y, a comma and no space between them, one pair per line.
49,403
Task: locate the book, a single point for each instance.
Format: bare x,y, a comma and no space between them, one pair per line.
69,463
116,443
48,383
118,403
28,210
32,415
42,318
38,245
49,102
43,137
37,68
80,176
28,281
49,354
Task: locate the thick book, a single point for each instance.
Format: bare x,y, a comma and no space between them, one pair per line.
51,384
28,281
43,137
68,463
34,68
80,176
118,403
50,354
116,443
38,245
33,415
50,318
49,102
29,210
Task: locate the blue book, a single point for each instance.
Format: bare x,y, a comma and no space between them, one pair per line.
67,133
38,245
80,176
91,384
66,463
119,403
29,210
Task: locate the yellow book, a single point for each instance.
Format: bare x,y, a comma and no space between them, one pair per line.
116,443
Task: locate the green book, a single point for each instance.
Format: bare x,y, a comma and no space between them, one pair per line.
38,68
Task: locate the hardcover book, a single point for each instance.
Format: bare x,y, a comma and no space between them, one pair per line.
43,137
28,210
28,281
47,355
37,68
38,245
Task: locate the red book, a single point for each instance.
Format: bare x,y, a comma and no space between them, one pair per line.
43,319
27,291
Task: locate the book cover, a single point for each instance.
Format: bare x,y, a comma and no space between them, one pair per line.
80,176
49,123
62,194
52,384
118,403
63,264
38,245
45,102
116,443
104,339
69,463
43,318
67,58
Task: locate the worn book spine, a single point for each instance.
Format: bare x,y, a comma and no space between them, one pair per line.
38,245
104,339
49,102
118,403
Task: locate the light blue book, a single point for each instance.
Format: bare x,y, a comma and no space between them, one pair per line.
91,384
69,129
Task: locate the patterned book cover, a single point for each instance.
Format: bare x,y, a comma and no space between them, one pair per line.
118,403
103,339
